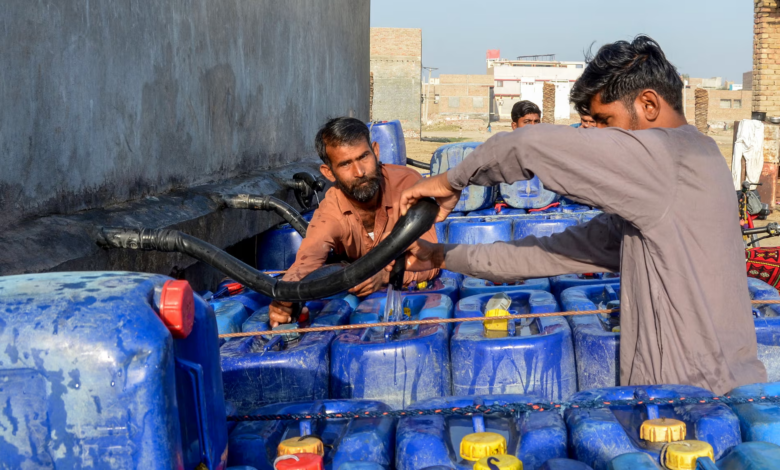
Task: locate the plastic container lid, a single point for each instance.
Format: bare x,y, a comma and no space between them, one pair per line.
301,445
500,462
497,306
662,430
177,308
475,446
299,462
683,455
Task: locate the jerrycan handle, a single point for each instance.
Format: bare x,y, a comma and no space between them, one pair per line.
610,291
195,373
705,463
304,427
277,340
478,420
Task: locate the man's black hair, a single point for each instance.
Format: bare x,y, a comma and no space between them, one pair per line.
621,70
340,131
521,108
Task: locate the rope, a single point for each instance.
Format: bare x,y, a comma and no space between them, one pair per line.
435,321
514,409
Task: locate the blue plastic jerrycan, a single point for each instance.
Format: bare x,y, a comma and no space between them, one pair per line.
252,301
230,314
565,464
343,440
92,375
588,216
599,435
473,286
542,225
457,276
277,248
559,284
745,456
476,230
434,440
529,194
261,370
492,211
519,356
758,421
767,322
473,197
396,365
445,285
392,144
568,209
596,337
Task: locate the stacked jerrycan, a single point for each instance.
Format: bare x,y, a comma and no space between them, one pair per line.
261,370
392,145
767,322
233,304
333,442
597,436
465,442
692,455
473,197
529,194
493,211
542,225
529,356
475,230
558,284
109,369
277,248
396,365
596,337
473,286
445,285
758,421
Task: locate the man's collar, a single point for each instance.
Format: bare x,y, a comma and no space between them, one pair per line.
387,194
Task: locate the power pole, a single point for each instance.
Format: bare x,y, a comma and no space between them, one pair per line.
427,91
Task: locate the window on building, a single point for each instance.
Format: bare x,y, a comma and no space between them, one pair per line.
453,102
579,66
725,104
499,84
436,98
737,104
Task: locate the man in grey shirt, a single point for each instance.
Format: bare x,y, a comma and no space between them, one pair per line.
670,224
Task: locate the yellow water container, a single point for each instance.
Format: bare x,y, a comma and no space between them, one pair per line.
300,445
502,462
662,430
475,446
683,455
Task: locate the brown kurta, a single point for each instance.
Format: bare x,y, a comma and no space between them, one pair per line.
670,226
336,226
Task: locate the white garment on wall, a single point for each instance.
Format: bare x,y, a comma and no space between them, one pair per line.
750,145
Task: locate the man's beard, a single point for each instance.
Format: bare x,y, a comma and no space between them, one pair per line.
363,189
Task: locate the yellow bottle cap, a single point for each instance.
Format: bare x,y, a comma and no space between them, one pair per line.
616,329
683,455
300,445
502,462
662,430
482,444
408,312
422,285
497,325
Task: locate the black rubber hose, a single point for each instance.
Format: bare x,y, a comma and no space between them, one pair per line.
407,230
418,164
268,203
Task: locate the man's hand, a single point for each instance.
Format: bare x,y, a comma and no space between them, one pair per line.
423,255
437,187
376,282
281,312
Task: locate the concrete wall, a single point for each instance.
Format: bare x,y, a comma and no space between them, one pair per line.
105,102
396,62
739,102
460,97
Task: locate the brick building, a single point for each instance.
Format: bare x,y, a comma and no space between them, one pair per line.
766,57
725,106
396,65
459,97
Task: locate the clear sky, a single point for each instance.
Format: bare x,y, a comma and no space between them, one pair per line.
702,38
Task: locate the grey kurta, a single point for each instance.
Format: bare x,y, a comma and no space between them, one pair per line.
670,226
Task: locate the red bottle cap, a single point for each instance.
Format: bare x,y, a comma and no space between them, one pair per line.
303,462
177,308
234,288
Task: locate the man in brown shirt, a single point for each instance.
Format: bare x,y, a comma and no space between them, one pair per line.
358,212
670,223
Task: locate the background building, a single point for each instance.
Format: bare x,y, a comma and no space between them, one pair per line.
396,66
459,98
725,105
524,78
